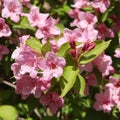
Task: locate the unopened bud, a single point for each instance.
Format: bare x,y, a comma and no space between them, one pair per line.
88,46
72,44
73,53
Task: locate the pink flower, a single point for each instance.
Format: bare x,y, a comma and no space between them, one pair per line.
26,3
53,100
15,67
104,32
47,30
74,14
12,9
25,86
22,47
90,34
4,28
82,19
52,66
90,81
35,17
114,86
70,36
80,3
104,101
26,61
117,53
3,50
86,67
41,85
104,64
101,5
84,36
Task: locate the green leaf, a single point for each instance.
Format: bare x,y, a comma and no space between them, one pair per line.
95,52
80,85
61,27
23,24
61,11
63,49
46,48
116,75
34,44
68,79
66,8
29,118
105,15
88,9
8,112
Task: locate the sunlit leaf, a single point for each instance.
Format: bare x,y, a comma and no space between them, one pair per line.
63,49
106,13
23,24
8,112
68,79
80,85
35,44
46,48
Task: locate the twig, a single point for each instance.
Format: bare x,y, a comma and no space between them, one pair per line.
37,113
8,83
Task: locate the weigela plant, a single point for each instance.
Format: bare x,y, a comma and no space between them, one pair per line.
61,52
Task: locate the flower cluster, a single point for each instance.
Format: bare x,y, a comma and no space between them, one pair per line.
47,60
110,97
34,72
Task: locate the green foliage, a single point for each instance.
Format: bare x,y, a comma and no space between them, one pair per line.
8,112
23,24
46,48
79,86
63,49
62,10
71,85
106,14
68,79
35,44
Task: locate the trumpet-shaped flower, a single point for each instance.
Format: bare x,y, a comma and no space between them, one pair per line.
4,28
25,86
104,101
52,66
12,9
35,17
53,100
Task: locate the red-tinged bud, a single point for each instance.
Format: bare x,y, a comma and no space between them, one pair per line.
88,46
85,47
91,46
72,44
73,53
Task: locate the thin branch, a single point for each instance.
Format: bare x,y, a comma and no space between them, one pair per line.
37,113
7,83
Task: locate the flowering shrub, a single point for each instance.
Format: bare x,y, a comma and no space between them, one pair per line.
62,59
